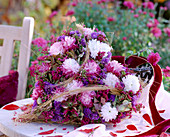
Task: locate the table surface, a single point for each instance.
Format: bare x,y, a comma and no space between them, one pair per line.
16,129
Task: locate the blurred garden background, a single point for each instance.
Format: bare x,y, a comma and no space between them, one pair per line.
132,27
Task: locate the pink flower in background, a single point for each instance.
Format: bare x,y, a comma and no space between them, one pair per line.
148,5
34,62
144,13
168,40
70,13
153,23
166,71
167,31
153,58
156,32
163,8
132,11
128,4
57,48
53,14
136,15
74,4
40,42
91,67
151,15
140,11
124,38
110,19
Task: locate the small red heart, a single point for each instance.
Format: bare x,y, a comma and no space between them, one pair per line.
131,127
113,134
121,131
147,118
11,107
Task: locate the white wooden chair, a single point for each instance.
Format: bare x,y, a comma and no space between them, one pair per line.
9,34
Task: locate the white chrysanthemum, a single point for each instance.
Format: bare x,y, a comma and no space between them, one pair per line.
105,48
70,66
97,46
107,112
56,48
131,82
75,84
111,80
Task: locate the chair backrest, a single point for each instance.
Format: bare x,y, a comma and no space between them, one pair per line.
9,34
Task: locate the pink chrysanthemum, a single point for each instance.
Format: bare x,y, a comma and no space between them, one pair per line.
153,58
57,48
114,67
148,5
75,84
156,32
37,92
69,42
91,67
86,98
128,4
70,67
167,31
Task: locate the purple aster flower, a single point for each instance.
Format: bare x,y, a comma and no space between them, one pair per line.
58,115
60,38
109,55
101,82
101,33
87,112
72,32
94,116
105,60
77,32
37,84
85,82
94,35
48,87
112,98
83,42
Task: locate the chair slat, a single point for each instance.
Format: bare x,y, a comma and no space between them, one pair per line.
24,34
10,32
